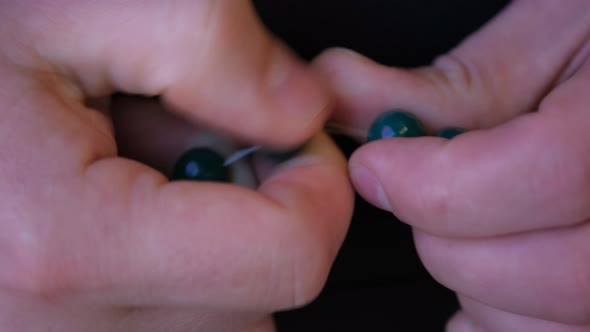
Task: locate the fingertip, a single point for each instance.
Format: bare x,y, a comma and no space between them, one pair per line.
354,79
315,183
394,174
270,97
313,190
320,155
336,56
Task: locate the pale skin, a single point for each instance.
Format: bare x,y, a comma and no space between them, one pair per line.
91,241
94,242
500,214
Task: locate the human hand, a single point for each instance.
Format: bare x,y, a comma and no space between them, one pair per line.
500,214
92,241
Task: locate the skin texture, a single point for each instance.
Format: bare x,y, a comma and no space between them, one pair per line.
500,214
92,240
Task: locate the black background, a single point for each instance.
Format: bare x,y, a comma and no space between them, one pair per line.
377,282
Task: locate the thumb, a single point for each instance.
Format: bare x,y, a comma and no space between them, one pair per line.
212,61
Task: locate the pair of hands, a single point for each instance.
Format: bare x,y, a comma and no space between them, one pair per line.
95,242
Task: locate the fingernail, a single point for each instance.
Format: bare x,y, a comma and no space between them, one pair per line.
369,186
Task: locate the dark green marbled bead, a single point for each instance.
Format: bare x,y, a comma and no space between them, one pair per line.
396,123
201,164
450,132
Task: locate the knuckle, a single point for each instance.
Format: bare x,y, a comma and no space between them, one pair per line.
34,256
456,72
474,85
434,201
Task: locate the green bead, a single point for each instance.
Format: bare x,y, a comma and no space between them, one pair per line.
201,164
450,132
396,123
